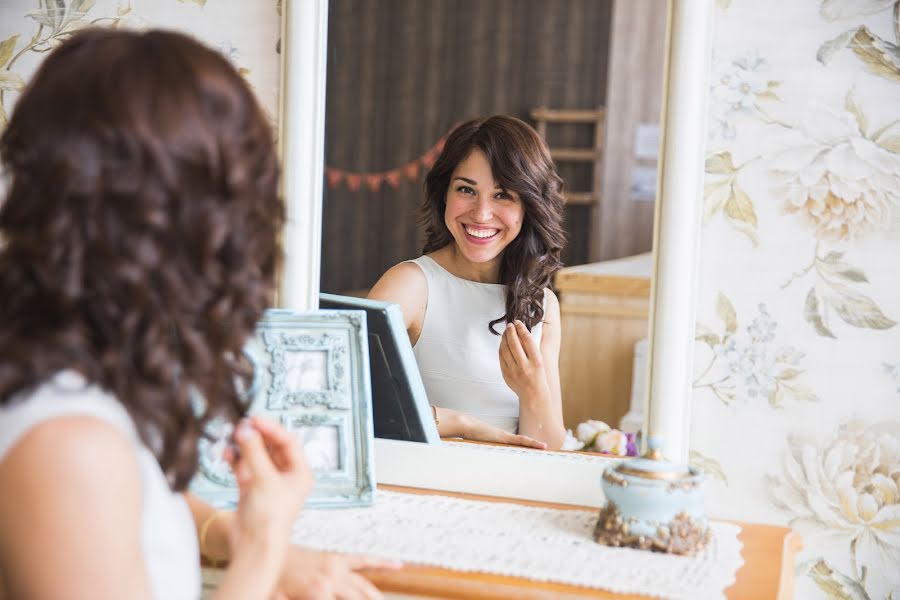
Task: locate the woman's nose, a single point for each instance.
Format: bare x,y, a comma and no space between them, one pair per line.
482,211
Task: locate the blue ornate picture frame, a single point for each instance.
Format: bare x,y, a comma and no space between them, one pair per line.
311,375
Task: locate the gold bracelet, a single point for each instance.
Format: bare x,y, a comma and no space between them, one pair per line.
204,529
434,412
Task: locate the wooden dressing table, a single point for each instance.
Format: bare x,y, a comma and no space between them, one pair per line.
768,570
768,551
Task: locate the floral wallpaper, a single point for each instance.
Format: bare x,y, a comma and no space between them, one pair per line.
796,411
246,32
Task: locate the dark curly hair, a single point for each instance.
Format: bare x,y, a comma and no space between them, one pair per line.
138,238
521,163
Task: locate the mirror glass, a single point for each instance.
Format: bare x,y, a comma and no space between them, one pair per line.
586,74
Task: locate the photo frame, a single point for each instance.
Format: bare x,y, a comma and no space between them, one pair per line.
311,375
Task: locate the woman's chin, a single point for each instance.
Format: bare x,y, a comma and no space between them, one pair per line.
480,255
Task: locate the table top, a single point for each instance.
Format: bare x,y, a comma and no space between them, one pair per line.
767,572
629,276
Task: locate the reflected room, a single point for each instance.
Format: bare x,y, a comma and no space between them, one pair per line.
587,76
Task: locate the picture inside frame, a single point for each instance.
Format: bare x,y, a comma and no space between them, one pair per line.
307,370
311,375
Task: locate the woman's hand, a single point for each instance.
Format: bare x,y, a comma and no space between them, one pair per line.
273,479
521,363
313,575
458,424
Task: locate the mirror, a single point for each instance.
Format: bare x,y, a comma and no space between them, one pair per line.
675,229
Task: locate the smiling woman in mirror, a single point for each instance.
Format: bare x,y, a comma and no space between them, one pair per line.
484,325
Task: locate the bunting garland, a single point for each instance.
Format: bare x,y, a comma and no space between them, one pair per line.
355,180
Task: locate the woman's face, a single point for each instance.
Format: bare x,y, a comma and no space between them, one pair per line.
482,217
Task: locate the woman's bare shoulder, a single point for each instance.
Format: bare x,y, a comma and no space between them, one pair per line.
399,282
404,284
78,480
75,446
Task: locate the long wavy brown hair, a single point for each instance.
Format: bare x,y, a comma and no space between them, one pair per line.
521,163
139,232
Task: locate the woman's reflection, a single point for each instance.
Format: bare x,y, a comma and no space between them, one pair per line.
484,325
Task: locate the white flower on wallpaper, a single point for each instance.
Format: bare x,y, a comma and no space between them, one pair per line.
846,490
748,364
841,177
838,177
736,87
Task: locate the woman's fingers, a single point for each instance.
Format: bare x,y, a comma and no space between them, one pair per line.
529,346
506,359
286,453
357,563
254,460
515,345
488,433
524,440
505,347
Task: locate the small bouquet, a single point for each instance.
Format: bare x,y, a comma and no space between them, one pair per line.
597,436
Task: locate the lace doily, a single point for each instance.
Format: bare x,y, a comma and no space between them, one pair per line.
574,457
541,544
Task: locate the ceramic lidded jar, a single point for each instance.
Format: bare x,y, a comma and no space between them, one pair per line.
653,504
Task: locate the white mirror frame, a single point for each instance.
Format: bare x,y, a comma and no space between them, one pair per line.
675,248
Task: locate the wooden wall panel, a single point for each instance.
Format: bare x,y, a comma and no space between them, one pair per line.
402,72
635,83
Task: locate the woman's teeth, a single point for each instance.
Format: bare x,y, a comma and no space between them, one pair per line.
481,233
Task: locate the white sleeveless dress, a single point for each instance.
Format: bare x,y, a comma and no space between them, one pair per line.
168,537
458,357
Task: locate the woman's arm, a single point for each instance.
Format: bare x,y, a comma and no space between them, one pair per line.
305,573
533,373
453,423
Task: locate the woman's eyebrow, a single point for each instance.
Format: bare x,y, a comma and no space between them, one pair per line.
473,182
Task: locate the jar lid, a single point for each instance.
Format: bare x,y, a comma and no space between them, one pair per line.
653,465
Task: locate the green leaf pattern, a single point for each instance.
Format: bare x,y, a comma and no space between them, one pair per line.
723,195
831,293
708,465
56,21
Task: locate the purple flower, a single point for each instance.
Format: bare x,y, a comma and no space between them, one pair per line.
631,446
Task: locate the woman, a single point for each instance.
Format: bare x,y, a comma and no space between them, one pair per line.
493,220
138,251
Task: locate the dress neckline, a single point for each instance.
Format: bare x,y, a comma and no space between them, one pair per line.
439,266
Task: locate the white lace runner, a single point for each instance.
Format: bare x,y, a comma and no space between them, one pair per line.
542,544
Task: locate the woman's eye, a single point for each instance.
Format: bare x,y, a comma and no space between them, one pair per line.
465,189
503,196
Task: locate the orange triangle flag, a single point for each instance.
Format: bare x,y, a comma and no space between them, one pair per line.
354,180
374,181
334,176
393,178
411,170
